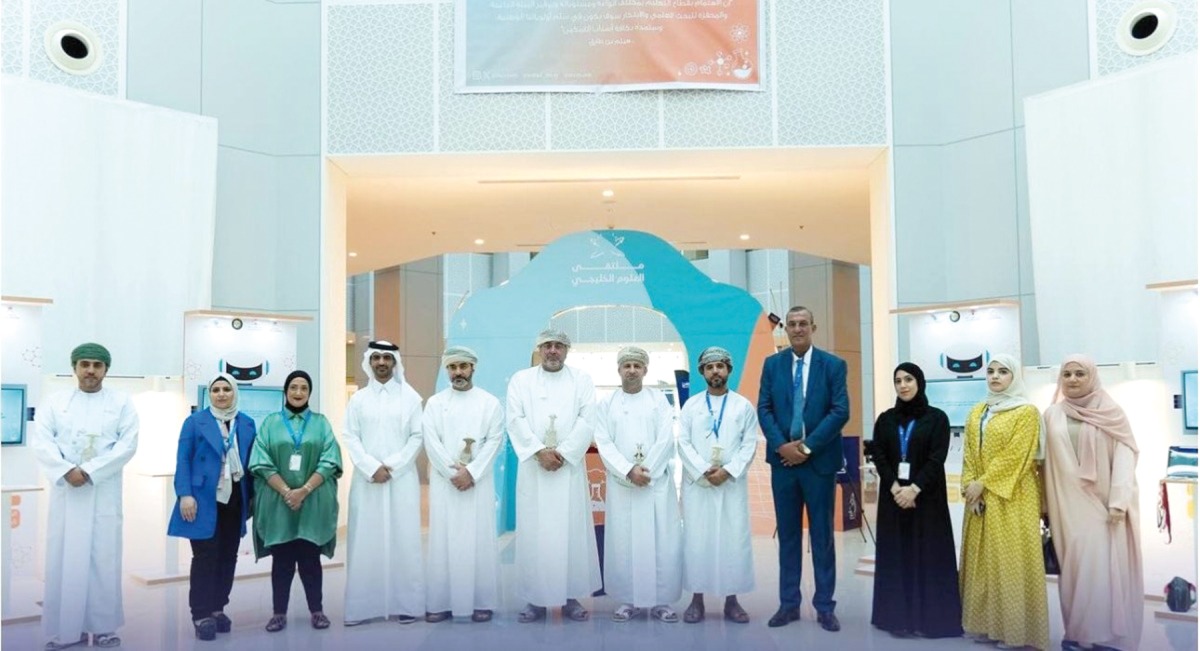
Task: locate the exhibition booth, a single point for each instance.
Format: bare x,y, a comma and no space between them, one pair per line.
605,288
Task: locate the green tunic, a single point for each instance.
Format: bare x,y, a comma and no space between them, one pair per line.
316,521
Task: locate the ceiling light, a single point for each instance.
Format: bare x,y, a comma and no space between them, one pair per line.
607,194
478,241
352,254
744,236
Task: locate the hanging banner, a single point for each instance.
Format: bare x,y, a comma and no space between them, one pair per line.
504,46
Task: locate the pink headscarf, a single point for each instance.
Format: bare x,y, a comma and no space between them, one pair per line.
1097,412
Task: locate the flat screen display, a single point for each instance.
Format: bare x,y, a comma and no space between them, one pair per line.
1189,400
12,414
956,397
255,402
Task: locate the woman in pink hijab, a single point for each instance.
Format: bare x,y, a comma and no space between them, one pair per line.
1092,497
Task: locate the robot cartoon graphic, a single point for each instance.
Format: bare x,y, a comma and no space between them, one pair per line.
247,374
964,359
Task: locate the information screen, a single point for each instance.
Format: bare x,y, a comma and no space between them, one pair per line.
1189,400
255,402
12,414
956,397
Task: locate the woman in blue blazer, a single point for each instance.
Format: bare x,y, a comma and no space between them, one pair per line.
214,497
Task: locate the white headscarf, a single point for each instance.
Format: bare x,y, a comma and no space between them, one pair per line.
397,372
230,412
1014,396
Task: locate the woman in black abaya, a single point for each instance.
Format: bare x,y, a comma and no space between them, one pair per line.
916,571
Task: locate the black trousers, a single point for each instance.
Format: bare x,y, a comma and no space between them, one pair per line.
285,558
215,559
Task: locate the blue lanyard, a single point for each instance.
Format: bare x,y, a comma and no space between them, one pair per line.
296,438
229,440
905,433
716,428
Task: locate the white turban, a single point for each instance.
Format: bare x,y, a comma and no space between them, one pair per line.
550,334
715,354
632,354
455,354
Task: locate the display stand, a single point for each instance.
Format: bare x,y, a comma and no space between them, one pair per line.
1162,612
21,594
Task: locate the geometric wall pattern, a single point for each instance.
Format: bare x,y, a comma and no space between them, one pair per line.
376,95
831,73
1111,58
827,87
102,16
12,38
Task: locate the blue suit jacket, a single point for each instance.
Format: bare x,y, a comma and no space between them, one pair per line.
198,470
826,408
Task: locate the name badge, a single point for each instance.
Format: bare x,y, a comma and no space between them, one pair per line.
902,472
294,463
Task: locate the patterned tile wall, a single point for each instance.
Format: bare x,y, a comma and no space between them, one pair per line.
1111,58
722,118
830,71
490,122
102,16
586,121
381,100
12,37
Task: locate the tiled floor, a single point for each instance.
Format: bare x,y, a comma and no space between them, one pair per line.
157,618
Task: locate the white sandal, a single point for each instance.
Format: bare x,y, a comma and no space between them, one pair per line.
664,613
625,612
106,640
55,646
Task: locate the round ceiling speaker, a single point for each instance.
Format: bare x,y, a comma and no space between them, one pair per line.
1146,27
73,48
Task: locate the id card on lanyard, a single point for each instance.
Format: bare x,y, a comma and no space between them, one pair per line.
297,439
905,469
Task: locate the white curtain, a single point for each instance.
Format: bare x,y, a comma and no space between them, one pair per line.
1112,207
107,208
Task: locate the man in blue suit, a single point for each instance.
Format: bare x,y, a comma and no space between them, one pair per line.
802,406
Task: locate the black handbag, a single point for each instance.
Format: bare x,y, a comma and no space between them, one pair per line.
1049,556
1180,595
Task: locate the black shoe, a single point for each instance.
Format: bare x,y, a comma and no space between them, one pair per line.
783,617
206,629
829,622
224,624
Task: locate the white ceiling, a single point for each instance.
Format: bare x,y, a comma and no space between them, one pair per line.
405,208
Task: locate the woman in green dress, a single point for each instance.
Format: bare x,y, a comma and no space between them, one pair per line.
296,462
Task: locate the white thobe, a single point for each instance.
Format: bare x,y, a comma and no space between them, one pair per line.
643,557
716,519
463,572
556,541
384,572
98,433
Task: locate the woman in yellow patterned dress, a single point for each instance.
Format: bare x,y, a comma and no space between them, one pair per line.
1003,581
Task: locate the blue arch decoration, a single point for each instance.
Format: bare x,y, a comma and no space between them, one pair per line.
616,267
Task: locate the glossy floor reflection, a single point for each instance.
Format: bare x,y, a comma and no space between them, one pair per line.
157,618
